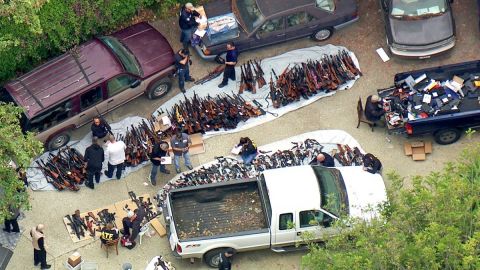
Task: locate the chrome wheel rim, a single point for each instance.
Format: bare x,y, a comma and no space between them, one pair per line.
322,34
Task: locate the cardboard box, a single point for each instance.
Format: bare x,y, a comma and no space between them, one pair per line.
418,149
74,259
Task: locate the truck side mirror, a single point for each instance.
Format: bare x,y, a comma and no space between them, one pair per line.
135,84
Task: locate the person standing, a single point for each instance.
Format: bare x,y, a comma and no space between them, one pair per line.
248,151
187,23
94,157
11,223
226,257
100,128
182,62
39,251
180,143
230,62
323,159
116,157
159,151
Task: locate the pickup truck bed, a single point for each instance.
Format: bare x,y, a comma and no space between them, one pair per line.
220,210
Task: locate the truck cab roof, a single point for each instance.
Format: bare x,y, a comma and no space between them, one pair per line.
286,194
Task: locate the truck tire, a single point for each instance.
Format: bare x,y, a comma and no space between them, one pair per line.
159,88
212,258
447,136
58,141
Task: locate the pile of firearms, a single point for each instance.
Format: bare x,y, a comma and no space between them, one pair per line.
147,205
251,75
226,169
64,170
312,77
138,140
212,113
79,225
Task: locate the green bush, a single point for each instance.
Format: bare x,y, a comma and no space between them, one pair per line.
32,31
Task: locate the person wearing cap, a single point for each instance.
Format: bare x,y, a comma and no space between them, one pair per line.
323,159
373,108
225,262
94,157
180,143
39,251
182,62
116,157
187,23
109,233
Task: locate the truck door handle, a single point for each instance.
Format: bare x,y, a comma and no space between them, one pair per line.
281,35
82,115
299,233
110,101
313,27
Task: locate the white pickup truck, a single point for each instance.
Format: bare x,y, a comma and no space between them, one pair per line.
271,211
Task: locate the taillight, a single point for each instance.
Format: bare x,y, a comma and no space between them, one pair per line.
206,51
179,249
409,129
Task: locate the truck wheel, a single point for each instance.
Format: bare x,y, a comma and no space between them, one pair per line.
58,141
159,88
323,34
212,258
447,136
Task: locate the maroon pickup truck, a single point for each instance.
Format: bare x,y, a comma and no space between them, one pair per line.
97,77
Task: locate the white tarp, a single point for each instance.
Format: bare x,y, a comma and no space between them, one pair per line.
278,64
37,180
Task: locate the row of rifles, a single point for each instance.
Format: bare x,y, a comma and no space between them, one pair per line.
199,115
312,77
251,75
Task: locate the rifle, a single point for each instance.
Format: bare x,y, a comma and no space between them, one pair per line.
260,79
104,121
273,94
243,84
75,228
211,75
49,175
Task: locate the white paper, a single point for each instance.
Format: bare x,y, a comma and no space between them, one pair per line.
422,11
383,54
427,98
166,121
166,160
236,150
421,78
201,20
200,33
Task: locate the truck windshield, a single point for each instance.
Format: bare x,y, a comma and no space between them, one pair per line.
417,8
333,196
128,60
249,13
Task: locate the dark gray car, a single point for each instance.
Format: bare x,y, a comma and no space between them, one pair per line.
418,28
264,22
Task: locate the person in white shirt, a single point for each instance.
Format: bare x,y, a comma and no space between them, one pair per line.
116,156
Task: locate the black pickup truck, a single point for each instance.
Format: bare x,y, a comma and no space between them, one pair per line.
443,101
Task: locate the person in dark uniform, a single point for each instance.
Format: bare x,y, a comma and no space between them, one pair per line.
373,109
230,62
109,233
323,159
371,164
94,157
248,151
182,62
187,23
11,223
100,128
159,151
226,259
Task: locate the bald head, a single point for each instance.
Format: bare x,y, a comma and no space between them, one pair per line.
320,158
40,227
111,138
375,98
